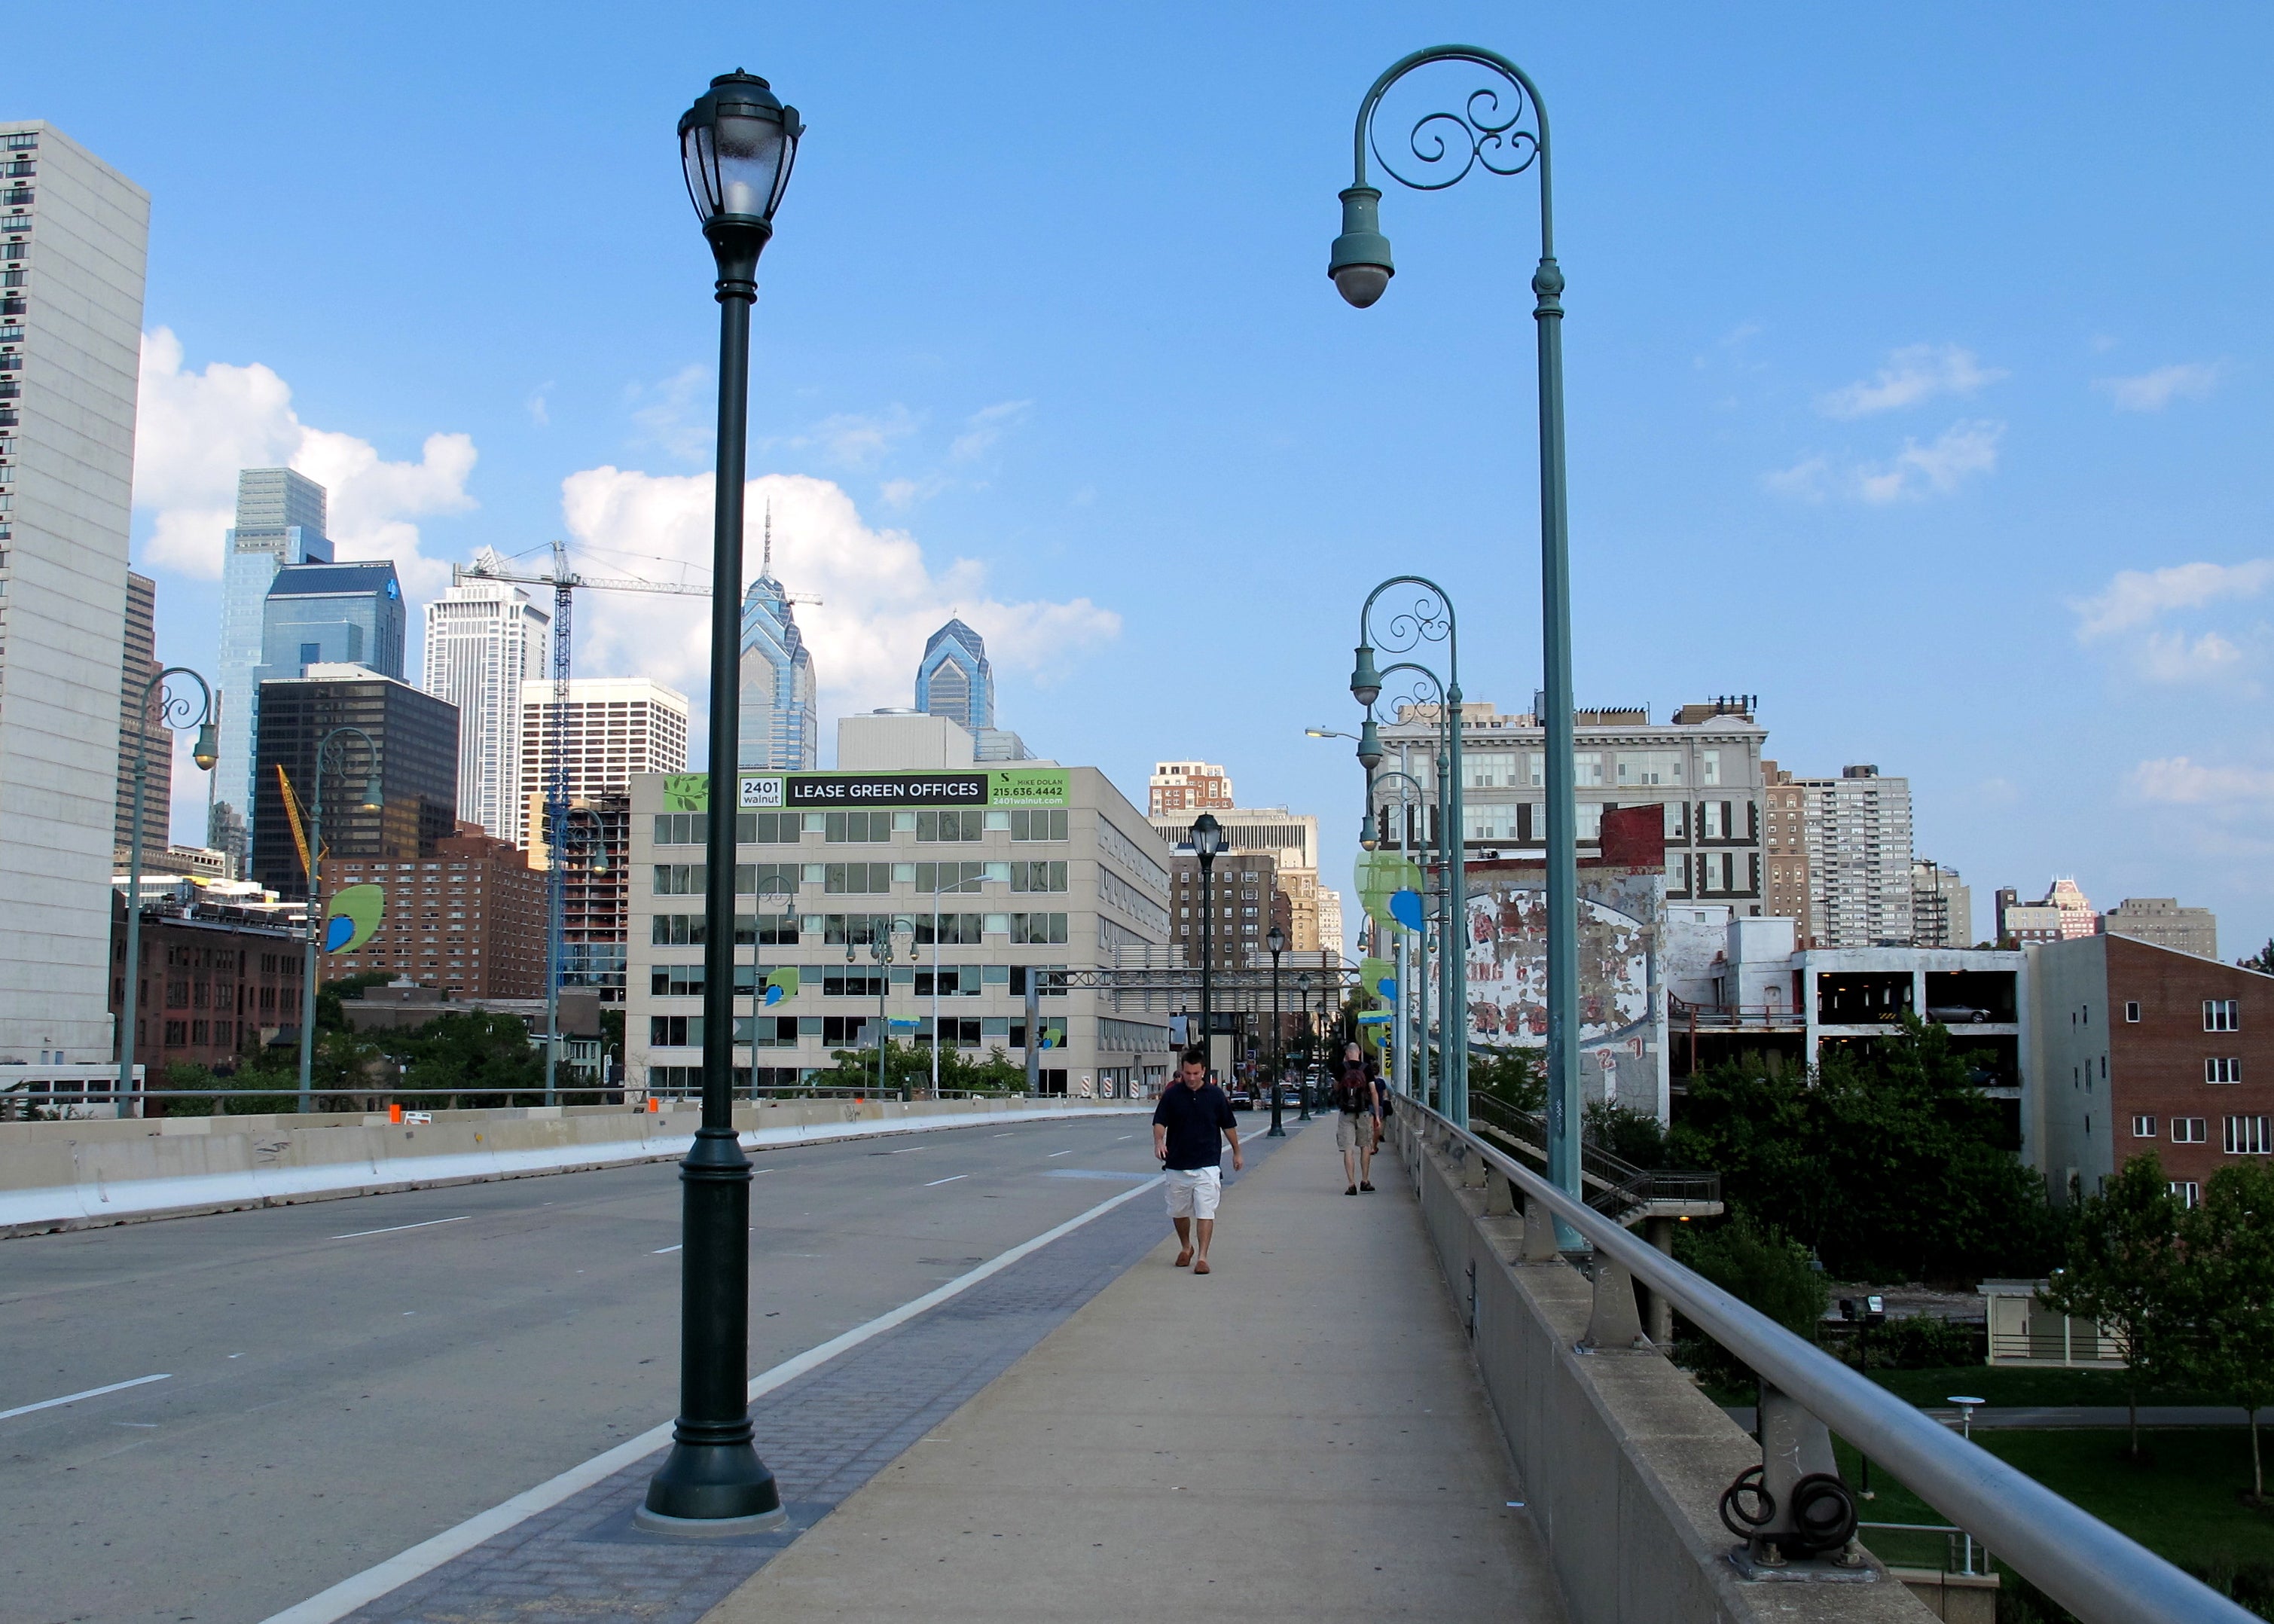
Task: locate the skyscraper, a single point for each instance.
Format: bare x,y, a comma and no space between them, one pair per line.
954,679
484,640
780,719
74,235
141,733
416,772
280,521
613,727
1859,858
333,614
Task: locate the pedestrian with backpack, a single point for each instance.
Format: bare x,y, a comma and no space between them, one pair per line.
1354,1125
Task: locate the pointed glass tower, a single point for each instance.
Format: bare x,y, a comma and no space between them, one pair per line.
781,725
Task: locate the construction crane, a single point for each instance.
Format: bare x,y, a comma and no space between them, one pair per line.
564,582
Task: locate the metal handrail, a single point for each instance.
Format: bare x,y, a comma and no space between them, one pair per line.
2096,1573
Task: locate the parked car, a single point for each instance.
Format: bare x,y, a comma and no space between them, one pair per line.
1242,1096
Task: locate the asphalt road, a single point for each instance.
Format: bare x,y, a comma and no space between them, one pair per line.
345,1378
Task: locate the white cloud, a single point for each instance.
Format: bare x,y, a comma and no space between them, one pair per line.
1914,373
2134,598
673,416
881,598
1960,451
195,429
2153,390
2174,656
1966,448
858,440
984,428
2178,781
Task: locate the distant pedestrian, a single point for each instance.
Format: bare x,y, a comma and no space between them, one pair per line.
1189,1127
1354,1125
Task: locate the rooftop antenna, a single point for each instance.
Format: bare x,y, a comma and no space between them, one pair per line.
766,569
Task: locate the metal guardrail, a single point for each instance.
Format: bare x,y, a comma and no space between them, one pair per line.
1622,1186
2101,1575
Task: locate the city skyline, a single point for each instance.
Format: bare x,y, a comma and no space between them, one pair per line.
2012,447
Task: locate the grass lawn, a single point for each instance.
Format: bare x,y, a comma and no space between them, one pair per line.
2181,1503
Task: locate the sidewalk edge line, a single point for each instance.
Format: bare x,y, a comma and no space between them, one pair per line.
328,1605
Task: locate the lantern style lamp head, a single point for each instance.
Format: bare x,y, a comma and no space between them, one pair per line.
736,145
1368,837
1206,838
373,799
1369,746
1275,940
1366,681
1359,260
207,750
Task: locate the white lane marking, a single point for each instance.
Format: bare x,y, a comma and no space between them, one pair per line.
675,1247
910,1151
73,1398
1118,1136
391,1228
998,1136
1060,1153
330,1605
950,1179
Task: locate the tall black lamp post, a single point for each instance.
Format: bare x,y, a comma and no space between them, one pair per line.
736,145
1276,939
1310,1048
1206,838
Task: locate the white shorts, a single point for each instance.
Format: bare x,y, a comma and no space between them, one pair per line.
1194,1193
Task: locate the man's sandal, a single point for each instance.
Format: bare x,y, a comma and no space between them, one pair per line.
1184,1257
1200,1268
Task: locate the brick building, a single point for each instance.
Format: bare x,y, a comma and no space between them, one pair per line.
213,983
468,919
1245,895
2141,1047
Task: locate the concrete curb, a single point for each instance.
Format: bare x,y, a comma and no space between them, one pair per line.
91,1175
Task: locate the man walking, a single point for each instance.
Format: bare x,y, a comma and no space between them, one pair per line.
1354,1125
1186,1124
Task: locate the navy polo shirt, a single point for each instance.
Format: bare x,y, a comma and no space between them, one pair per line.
1195,1118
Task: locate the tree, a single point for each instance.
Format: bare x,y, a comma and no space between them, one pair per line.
1761,1266
1635,1136
1890,1163
1517,1078
2261,961
2229,1242
2123,1269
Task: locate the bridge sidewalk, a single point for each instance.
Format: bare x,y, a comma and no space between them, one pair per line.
1299,1435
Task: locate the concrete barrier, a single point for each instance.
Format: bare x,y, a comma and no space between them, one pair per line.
81,1174
1623,1458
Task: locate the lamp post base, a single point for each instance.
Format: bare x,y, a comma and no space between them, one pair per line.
712,1488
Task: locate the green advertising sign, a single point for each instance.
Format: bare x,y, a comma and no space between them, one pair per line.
995,787
1027,786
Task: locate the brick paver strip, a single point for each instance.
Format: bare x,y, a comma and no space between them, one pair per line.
824,1435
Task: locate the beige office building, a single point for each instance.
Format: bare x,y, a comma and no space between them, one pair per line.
978,876
617,728
1291,839
73,236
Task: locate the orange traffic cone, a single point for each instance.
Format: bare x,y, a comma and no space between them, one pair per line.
395,1111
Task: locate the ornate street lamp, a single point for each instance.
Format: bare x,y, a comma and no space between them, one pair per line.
1426,615
331,758
1445,147
173,714
1310,1047
1207,840
736,145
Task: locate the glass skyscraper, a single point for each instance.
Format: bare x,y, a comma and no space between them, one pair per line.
953,678
780,720
280,521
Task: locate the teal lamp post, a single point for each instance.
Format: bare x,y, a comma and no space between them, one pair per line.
1444,147
1424,613
172,711
331,758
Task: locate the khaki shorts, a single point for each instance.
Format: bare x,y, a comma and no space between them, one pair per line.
1193,1193
1354,1132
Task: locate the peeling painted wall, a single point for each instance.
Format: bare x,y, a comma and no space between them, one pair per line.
1621,1001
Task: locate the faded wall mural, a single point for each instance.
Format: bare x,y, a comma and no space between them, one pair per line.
1621,1006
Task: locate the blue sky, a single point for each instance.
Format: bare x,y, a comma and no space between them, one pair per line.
1916,361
